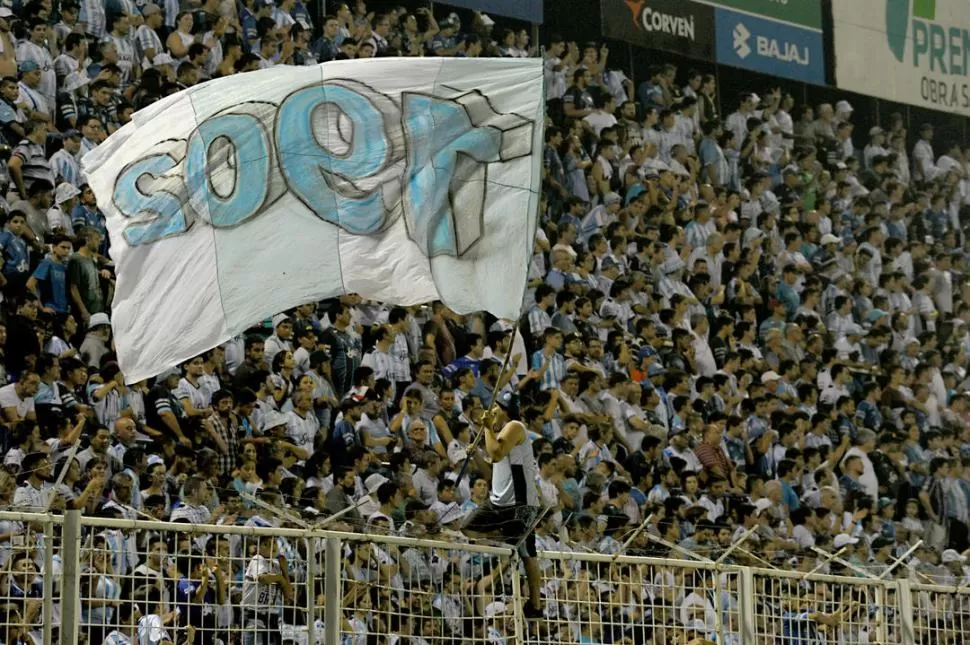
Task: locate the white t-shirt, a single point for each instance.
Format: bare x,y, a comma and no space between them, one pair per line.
302,430
198,396
151,630
262,598
10,399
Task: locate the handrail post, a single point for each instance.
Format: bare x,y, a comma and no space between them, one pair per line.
746,594
311,583
517,600
882,613
71,585
48,581
907,626
334,607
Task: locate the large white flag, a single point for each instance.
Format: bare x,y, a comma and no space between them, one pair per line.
403,180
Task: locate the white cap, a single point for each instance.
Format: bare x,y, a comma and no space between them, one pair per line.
874,130
375,481
448,513
952,555
155,460
755,98
5,12
487,22
279,319
762,505
828,238
842,540
172,371
75,80
751,235
98,320
64,192
273,419
770,376
853,329
496,608
843,106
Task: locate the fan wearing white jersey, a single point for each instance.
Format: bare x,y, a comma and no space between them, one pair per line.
514,472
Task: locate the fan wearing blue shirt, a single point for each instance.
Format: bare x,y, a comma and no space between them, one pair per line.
49,280
16,254
785,291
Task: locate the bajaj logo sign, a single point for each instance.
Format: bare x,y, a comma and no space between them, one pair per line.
767,47
741,37
652,20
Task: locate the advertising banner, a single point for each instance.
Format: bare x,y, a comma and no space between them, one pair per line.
910,51
770,47
528,10
804,13
680,26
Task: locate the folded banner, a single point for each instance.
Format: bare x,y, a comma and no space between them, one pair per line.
402,180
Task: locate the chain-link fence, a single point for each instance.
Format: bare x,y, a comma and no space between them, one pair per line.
806,607
72,579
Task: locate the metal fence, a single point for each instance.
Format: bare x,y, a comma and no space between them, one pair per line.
72,579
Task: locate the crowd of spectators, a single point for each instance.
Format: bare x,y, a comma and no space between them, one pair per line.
743,321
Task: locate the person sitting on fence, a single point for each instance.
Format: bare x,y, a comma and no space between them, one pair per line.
514,483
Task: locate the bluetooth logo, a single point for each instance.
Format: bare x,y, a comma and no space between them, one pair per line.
741,36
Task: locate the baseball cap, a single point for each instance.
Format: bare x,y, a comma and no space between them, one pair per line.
505,400
98,320
28,66
279,319
828,238
6,13
494,609
655,369
75,81
273,419
874,315
162,59
374,482
611,198
64,192
172,371
853,329
874,130
770,375
952,555
608,263
844,106
508,402
842,540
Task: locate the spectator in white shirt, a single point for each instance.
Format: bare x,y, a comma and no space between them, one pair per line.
280,339
17,399
923,167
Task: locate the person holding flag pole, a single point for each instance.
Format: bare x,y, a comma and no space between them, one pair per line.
513,495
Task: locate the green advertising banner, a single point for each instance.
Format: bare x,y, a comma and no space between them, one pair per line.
805,13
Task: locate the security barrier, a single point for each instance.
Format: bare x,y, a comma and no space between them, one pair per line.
74,579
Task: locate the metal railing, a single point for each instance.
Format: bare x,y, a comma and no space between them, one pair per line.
73,579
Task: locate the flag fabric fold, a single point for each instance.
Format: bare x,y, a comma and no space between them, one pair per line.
401,180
